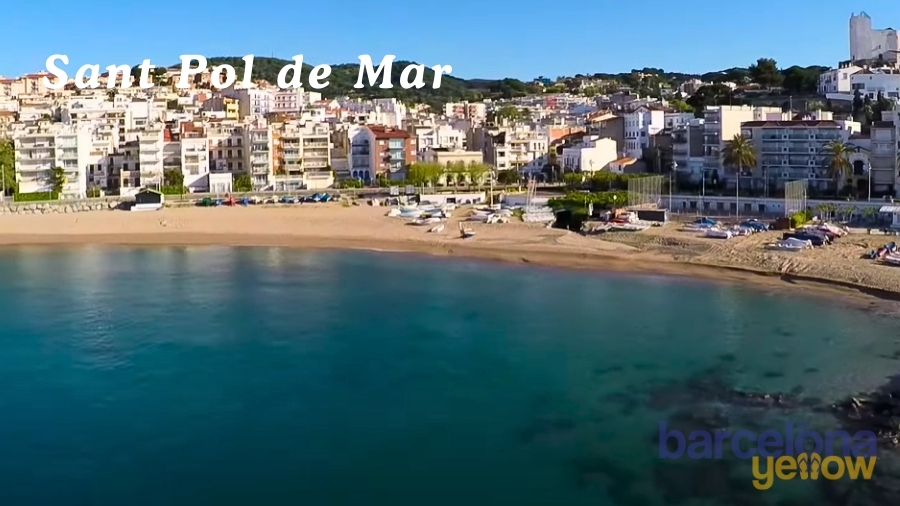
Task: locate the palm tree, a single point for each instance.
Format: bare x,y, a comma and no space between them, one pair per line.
838,155
738,154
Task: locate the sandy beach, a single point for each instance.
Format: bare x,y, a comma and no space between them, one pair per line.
834,271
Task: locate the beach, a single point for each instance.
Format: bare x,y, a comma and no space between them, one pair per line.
832,271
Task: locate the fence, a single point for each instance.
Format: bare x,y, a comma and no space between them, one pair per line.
645,191
794,197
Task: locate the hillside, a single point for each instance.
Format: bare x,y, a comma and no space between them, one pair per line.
647,81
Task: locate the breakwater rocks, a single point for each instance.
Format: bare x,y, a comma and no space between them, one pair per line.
59,207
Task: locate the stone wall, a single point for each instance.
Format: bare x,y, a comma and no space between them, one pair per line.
58,207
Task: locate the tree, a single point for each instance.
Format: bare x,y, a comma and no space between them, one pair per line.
838,155
420,174
7,167
715,94
800,80
57,180
739,154
173,177
508,177
680,105
765,73
857,106
509,112
456,173
242,183
476,172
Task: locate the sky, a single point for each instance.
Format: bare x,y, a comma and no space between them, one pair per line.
479,39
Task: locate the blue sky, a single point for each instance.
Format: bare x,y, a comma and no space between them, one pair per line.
486,38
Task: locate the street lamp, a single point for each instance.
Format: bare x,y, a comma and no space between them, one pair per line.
868,168
671,174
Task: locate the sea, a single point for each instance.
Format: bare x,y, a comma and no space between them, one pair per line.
266,376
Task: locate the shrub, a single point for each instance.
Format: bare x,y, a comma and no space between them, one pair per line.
35,197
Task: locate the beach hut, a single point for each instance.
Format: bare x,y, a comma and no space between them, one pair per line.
894,211
148,200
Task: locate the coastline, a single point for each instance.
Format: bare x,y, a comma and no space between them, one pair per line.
366,228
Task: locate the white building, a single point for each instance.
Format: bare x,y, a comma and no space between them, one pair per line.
360,157
195,163
258,140
867,43
41,148
590,155
639,126
872,82
837,80
439,136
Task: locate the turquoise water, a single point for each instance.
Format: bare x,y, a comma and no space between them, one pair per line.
176,376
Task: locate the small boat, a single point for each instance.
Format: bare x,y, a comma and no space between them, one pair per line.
791,244
426,221
409,208
717,233
891,259
464,232
437,229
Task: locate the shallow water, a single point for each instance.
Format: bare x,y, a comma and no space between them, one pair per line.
271,376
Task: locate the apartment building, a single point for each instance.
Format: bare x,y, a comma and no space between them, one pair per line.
392,150
687,150
871,82
789,150
466,110
226,147
359,159
591,154
514,148
438,136
720,124
256,102
29,84
258,137
40,148
303,152
195,161
640,125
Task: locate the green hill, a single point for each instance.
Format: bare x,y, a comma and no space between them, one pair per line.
647,81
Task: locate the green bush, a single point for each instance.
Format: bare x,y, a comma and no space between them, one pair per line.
800,218
35,197
93,192
173,190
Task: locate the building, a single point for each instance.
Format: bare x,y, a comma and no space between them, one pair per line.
195,162
720,124
445,156
360,165
871,82
514,148
592,154
41,148
304,151
687,150
258,137
837,80
639,126
391,151
793,150
867,43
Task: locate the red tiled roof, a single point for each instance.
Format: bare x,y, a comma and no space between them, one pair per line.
381,132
